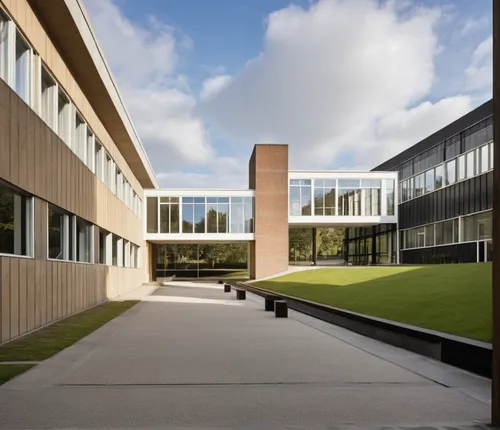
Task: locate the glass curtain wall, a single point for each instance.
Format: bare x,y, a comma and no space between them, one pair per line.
228,260
170,215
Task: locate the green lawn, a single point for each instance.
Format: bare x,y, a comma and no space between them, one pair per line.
48,341
452,298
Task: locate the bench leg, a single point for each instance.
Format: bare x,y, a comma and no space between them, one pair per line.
227,288
280,309
269,306
241,294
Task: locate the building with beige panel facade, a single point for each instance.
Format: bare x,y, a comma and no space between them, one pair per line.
72,170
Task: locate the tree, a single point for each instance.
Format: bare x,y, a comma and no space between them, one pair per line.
330,240
300,243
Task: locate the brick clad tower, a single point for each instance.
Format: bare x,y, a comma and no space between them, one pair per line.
268,176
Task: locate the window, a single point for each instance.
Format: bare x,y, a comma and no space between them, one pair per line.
83,240
23,69
420,231
112,176
477,227
107,170
48,99
114,248
461,167
4,33
90,151
429,235
484,163
63,110
119,184
217,215
98,160
470,170
404,191
444,232
324,197
429,181
80,139
60,234
102,246
438,181
389,189
419,185
451,172
169,215
15,222
300,197
491,155
152,211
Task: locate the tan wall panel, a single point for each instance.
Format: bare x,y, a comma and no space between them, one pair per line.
5,295
14,297
23,295
49,291
30,293
14,139
23,146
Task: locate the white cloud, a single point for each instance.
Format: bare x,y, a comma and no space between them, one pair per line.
223,172
144,60
325,86
472,25
214,85
480,72
341,95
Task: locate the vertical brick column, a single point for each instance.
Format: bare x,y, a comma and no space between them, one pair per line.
268,176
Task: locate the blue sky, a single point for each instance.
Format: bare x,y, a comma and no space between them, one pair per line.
345,84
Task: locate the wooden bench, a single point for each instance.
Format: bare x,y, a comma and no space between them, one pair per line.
241,294
280,309
227,288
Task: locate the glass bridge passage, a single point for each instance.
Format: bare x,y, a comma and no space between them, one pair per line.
341,199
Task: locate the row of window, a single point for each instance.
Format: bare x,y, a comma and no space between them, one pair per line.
463,229
70,238
23,70
465,141
465,166
200,214
344,197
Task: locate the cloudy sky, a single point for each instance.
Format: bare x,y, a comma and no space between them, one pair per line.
346,83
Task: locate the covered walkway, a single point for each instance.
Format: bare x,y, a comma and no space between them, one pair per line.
190,355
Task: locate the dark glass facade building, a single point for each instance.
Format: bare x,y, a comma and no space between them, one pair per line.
445,199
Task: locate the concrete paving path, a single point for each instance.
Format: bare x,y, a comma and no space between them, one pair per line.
191,356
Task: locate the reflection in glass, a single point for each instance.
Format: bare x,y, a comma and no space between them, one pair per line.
389,187
451,172
484,159
349,202
470,165
199,218
300,197
419,185
438,177
324,197
187,218
461,167
56,233
429,181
